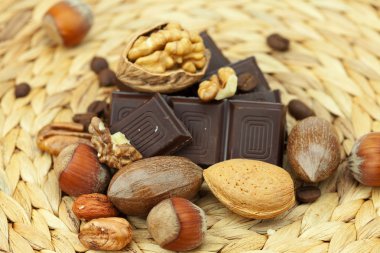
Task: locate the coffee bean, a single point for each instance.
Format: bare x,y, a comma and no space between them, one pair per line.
98,64
98,108
277,42
84,119
299,110
107,77
247,82
22,90
308,194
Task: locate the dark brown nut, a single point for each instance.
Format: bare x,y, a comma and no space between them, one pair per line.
107,77
98,64
247,82
55,137
98,107
139,186
277,42
22,90
84,119
299,110
93,206
308,194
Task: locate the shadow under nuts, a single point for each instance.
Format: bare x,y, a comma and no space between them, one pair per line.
138,187
106,234
250,188
313,149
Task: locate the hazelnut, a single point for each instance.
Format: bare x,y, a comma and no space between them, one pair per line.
93,206
106,234
364,160
177,224
67,22
79,170
313,149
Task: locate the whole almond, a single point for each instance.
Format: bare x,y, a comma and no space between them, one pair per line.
93,206
250,188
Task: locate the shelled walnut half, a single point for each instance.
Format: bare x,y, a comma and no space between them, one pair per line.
220,86
165,58
114,150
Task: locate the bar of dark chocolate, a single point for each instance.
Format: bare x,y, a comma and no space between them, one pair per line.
217,60
152,128
245,129
260,96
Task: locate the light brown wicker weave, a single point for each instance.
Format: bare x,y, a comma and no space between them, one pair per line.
333,66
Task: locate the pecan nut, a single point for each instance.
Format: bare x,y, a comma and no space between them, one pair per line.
55,137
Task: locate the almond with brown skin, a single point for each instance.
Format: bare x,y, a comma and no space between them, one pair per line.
93,206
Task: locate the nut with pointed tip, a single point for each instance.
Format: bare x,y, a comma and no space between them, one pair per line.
313,149
106,234
364,160
79,170
93,206
177,224
67,22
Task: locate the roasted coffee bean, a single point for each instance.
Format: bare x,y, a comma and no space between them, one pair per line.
98,107
277,42
247,82
98,64
22,90
107,77
299,110
308,194
84,119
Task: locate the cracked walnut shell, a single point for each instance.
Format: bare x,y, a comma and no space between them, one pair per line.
167,65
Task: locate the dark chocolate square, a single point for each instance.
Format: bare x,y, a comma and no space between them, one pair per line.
153,128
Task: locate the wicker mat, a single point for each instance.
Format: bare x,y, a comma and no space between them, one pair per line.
333,66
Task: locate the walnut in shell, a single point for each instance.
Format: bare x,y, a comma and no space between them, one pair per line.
114,150
164,58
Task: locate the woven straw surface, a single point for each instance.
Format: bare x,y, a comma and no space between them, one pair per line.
333,66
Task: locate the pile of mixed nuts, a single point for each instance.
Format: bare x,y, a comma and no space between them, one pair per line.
92,160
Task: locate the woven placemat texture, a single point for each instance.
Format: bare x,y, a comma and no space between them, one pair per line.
333,66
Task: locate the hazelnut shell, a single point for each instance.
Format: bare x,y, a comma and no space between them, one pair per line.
313,149
79,170
177,224
364,160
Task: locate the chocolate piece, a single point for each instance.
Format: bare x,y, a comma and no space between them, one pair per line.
98,64
206,123
231,129
262,96
124,102
247,82
278,42
250,66
256,131
153,128
22,90
217,60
